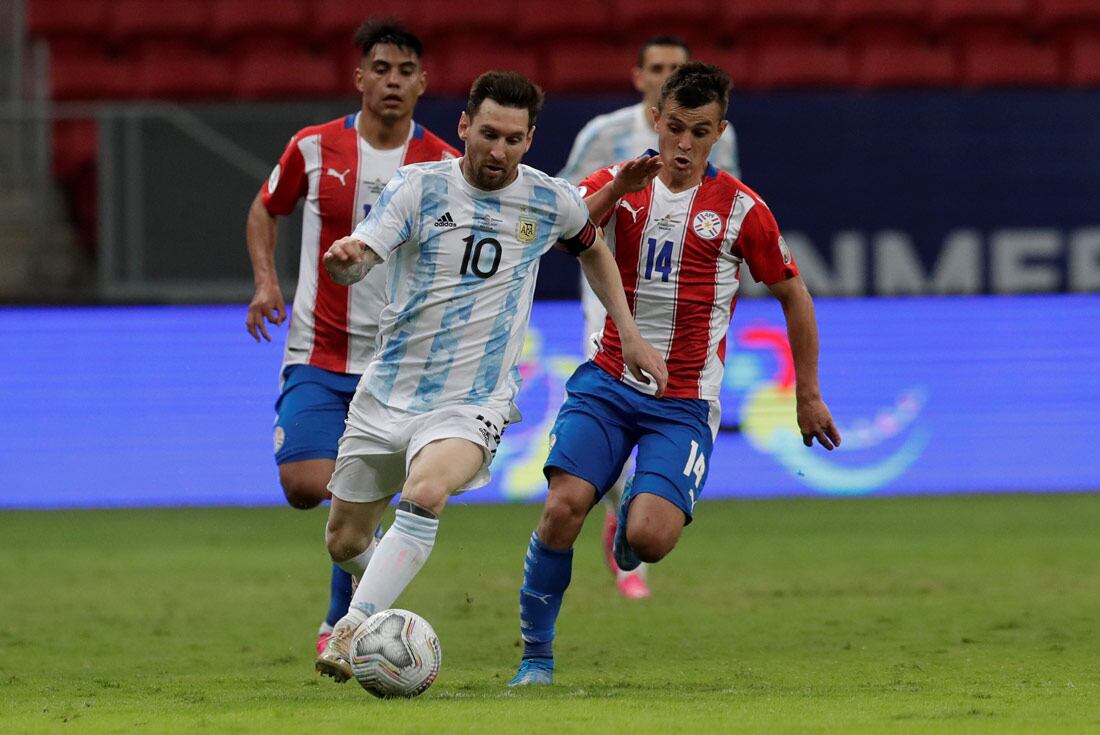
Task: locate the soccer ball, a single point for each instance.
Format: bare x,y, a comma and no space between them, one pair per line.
395,653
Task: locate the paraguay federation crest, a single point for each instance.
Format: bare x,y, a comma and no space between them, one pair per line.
527,229
707,224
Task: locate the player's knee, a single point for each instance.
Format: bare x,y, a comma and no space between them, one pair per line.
651,542
562,519
342,541
302,490
427,492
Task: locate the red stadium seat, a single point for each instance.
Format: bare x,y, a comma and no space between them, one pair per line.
337,20
183,73
90,76
566,18
591,66
740,15
54,18
1066,12
692,20
75,147
439,19
1001,13
462,62
140,19
846,14
803,65
735,61
232,19
1008,60
287,75
1084,58
896,65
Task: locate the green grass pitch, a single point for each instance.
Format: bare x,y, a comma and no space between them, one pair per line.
932,615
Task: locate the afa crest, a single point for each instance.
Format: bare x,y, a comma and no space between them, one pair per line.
527,229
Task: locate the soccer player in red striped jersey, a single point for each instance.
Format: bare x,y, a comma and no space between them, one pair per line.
339,168
681,230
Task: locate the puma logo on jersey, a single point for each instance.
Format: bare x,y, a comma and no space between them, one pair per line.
337,174
633,212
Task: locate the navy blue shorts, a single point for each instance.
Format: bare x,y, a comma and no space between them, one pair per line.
310,413
603,419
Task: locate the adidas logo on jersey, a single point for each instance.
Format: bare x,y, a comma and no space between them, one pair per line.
445,221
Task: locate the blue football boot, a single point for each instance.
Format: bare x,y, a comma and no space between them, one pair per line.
534,672
624,555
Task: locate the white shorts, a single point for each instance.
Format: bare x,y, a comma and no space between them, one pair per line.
380,442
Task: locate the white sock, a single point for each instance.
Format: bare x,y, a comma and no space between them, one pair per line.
356,565
399,556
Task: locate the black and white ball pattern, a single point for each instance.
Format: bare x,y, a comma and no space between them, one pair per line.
395,653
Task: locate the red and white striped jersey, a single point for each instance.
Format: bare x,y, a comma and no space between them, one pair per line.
680,256
340,175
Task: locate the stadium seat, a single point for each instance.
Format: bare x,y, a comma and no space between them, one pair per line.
90,76
57,18
233,19
590,66
287,75
1062,13
142,20
802,65
462,61
735,61
736,17
538,21
75,147
946,14
336,20
693,20
1083,51
896,65
846,14
439,19
1008,60
183,73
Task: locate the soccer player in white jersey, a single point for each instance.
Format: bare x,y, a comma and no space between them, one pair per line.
339,168
680,240
604,141
462,240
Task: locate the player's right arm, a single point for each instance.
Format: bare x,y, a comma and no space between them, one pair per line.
286,185
267,300
387,227
624,178
349,259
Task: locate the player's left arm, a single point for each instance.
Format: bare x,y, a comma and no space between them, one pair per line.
814,419
602,274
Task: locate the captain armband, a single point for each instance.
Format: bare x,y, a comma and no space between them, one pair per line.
581,241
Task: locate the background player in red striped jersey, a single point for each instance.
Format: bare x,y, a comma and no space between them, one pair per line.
681,230
339,168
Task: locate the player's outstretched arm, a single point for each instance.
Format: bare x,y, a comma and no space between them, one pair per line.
641,359
814,419
634,175
348,260
267,302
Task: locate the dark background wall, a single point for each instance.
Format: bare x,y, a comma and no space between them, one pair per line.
877,192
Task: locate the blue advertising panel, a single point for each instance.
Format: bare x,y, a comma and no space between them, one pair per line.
174,405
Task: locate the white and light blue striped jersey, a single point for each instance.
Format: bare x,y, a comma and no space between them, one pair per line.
462,267
627,133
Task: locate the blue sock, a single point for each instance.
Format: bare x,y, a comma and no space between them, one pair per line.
546,574
339,595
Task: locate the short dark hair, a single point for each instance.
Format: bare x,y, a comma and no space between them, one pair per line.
696,84
506,88
663,40
374,31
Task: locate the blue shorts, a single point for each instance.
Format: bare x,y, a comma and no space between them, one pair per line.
310,413
603,419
